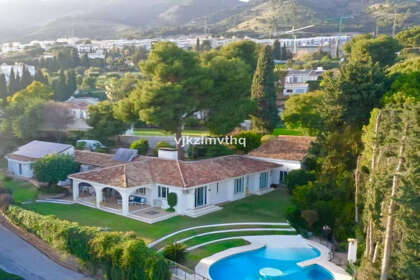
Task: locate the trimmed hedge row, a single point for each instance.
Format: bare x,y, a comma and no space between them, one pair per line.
119,255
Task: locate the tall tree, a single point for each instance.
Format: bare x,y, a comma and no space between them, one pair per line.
26,79
71,83
3,90
40,77
103,122
172,91
13,83
277,50
263,92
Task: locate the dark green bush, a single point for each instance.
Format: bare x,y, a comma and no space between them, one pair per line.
175,252
172,200
208,151
160,145
119,255
252,141
141,145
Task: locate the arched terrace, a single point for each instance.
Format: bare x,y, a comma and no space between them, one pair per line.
87,193
111,198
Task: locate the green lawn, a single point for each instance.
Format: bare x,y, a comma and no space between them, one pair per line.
21,190
8,276
286,131
270,207
193,257
160,132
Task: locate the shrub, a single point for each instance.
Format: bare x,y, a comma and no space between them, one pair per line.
81,145
8,178
6,199
160,145
310,216
298,177
119,255
141,145
208,151
172,200
252,141
267,138
175,252
54,168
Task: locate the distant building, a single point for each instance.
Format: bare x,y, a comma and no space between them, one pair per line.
79,110
296,81
17,69
20,162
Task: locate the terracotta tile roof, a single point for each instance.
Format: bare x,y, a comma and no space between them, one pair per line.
95,159
149,170
285,147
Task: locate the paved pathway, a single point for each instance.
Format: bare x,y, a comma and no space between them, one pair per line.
20,258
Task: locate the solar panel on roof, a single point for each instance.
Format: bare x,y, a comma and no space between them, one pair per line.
125,155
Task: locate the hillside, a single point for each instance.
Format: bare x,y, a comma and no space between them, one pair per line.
138,18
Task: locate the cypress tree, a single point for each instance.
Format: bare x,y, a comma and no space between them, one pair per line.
71,83
3,89
263,92
13,83
39,76
26,78
277,50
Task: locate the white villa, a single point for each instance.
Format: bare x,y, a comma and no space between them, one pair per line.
20,162
296,81
287,151
139,188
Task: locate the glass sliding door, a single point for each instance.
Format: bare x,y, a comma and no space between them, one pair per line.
200,196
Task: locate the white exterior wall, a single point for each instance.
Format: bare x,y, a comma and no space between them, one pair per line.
13,167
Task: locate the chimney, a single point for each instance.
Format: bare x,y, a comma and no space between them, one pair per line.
168,153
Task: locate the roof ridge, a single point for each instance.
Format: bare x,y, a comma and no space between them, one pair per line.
182,175
125,179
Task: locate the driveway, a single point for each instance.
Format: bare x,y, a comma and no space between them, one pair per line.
20,258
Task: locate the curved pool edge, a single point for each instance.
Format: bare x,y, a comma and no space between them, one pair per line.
323,260
203,267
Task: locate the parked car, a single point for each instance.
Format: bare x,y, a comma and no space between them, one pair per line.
92,145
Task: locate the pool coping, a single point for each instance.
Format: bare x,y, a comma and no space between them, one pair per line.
323,260
203,267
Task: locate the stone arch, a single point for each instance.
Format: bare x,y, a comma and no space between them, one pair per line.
111,198
87,192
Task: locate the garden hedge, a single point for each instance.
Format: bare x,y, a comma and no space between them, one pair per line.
119,255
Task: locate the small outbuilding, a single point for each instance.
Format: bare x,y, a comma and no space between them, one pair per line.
20,162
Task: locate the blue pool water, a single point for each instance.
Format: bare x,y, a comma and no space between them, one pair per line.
247,266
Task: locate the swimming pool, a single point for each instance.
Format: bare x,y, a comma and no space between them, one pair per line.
270,264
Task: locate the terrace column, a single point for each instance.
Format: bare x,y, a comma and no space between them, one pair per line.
98,193
125,204
75,190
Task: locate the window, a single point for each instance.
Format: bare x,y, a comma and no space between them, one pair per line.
163,192
263,180
283,175
20,168
217,187
239,185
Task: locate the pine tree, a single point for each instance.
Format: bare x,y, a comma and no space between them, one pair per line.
197,45
59,86
263,92
3,89
277,51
